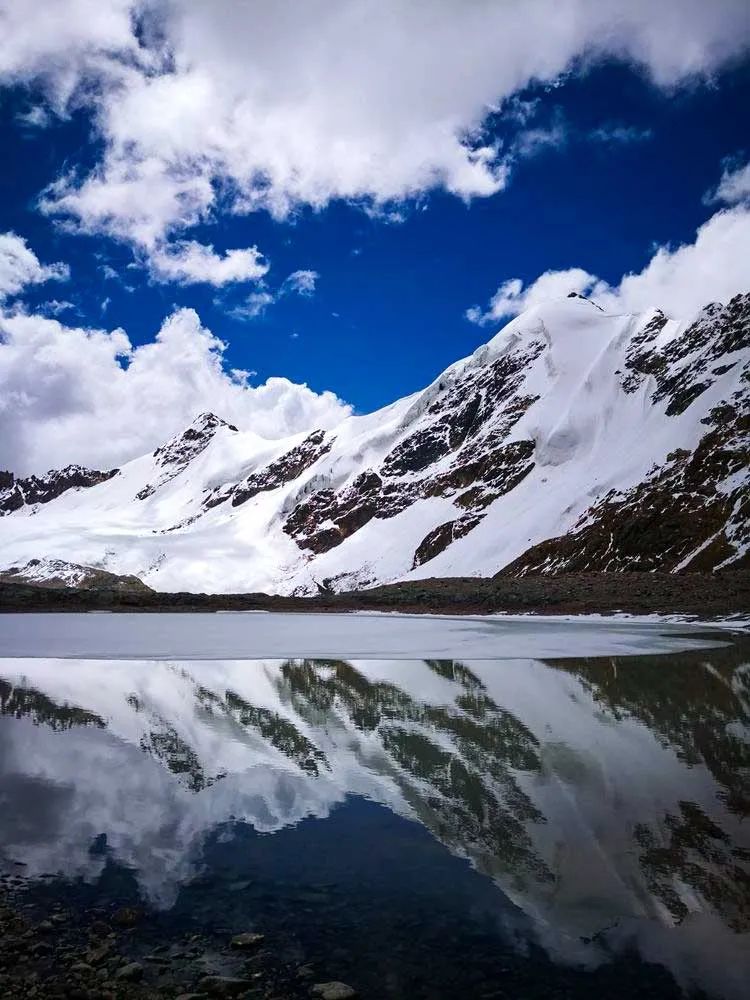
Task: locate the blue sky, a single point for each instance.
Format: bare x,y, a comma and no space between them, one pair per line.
606,159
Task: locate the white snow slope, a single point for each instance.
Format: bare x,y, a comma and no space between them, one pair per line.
517,444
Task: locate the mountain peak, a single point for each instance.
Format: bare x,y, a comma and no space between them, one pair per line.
585,298
210,421
190,442
175,456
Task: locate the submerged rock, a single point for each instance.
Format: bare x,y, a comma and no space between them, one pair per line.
333,991
247,941
130,973
127,916
224,986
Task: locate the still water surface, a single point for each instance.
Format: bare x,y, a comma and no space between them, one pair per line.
419,828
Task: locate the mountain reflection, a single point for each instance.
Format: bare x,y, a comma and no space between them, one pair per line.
698,707
605,798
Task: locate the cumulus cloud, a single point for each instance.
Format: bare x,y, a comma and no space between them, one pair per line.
72,394
680,280
513,297
64,42
209,107
20,267
130,198
734,186
188,262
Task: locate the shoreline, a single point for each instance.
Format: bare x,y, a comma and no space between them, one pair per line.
704,596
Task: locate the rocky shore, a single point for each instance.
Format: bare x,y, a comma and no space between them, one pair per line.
705,595
53,950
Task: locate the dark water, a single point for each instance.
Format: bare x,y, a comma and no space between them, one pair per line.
436,829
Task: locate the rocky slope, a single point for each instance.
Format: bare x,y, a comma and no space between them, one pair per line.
57,574
574,440
17,493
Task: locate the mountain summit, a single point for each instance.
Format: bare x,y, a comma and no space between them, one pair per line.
573,440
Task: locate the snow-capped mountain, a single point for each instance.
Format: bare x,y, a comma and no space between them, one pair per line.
572,440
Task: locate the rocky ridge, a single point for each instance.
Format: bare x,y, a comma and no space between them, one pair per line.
17,493
57,574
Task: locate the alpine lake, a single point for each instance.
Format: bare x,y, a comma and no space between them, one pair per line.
286,806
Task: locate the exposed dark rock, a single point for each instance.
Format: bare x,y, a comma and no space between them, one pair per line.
498,469
716,593
175,456
691,514
442,536
284,469
462,409
421,449
685,367
17,493
349,510
56,573
466,425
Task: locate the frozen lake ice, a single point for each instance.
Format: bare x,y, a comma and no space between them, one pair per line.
249,635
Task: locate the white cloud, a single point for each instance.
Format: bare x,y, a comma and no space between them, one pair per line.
65,42
520,110
56,307
297,283
20,267
254,305
188,262
302,282
227,106
532,141
734,186
131,198
620,133
82,395
35,117
679,280
513,297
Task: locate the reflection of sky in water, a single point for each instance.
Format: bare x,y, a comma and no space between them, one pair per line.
597,795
